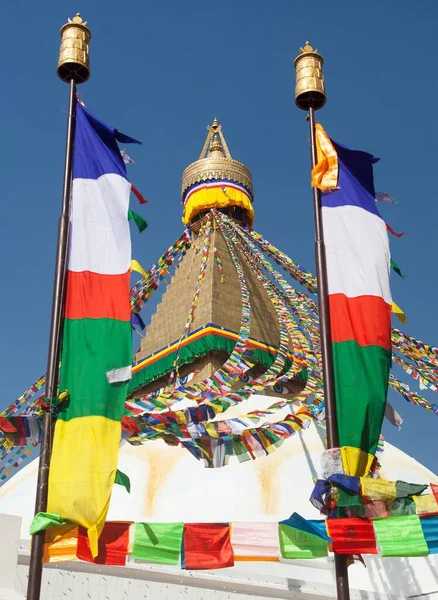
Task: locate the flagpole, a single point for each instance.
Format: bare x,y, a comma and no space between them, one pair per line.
73,68
310,96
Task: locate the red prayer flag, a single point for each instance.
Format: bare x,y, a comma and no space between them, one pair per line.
352,536
207,546
391,230
113,545
137,194
434,488
6,426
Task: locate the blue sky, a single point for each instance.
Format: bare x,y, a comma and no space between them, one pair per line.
160,72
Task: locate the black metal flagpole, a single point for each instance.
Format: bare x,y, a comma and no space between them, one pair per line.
73,68
310,96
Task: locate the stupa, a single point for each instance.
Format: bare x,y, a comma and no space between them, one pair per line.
190,337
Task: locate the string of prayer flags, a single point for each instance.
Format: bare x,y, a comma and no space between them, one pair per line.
296,543
207,546
429,526
400,536
61,544
112,545
158,542
255,541
21,430
352,536
198,546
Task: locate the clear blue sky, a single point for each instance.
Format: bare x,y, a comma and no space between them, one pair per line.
160,72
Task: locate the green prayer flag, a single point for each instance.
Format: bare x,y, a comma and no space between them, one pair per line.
139,221
402,506
158,542
396,268
295,543
43,521
404,490
122,479
351,501
400,536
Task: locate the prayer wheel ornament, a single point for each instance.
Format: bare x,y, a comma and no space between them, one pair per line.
218,181
74,58
309,86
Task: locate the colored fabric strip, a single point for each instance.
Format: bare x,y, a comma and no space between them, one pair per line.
112,545
397,269
96,332
206,197
391,230
255,541
378,489
43,521
357,252
207,546
158,542
138,220
404,490
400,536
123,480
352,536
296,543
399,313
137,194
401,507
308,525
61,544
426,504
429,525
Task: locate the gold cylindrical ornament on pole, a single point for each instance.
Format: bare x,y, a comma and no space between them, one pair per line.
74,58
309,86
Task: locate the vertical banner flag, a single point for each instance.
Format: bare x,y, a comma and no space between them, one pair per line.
358,266
96,348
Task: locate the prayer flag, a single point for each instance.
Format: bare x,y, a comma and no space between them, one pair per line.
207,546
296,543
255,541
112,546
358,264
429,526
426,504
61,544
400,536
352,536
158,542
97,330
378,489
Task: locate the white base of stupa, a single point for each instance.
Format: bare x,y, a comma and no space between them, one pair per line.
168,484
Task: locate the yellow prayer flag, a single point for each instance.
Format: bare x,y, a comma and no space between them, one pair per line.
426,504
378,489
398,313
325,172
136,266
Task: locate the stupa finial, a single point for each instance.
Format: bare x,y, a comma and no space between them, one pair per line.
229,182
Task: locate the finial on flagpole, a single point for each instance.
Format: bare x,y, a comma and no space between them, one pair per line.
309,87
74,58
